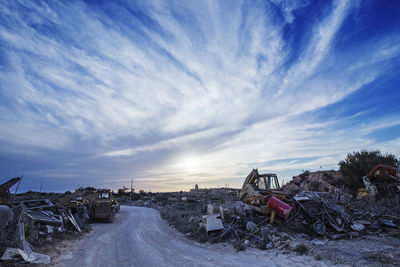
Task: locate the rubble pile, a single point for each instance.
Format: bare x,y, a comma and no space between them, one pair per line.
32,222
321,181
315,206
317,216
188,211
333,216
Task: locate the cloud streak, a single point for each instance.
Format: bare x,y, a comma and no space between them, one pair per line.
135,89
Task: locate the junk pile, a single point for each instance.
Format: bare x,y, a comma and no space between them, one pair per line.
381,178
267,217
93,204
330,215
31,222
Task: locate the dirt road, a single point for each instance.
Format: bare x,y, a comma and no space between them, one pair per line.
139,237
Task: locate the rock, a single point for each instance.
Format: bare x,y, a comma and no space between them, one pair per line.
319,242
191,219
357,226
293,245
251,227
284,236
267,237
277,244
284,244
265,231
272,230
275,239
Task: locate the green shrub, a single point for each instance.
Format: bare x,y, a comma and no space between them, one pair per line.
357,164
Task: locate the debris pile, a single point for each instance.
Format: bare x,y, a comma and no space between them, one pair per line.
326,215
381,180
33,225
315,206
31,222
316,216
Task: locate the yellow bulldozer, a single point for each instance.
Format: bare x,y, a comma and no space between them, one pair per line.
103,206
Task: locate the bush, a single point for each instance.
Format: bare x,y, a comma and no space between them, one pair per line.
358,164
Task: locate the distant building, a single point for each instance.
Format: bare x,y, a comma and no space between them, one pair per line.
196,187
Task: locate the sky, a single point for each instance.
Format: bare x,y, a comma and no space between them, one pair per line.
177,93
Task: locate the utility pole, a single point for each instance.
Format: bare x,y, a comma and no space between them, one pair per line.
131,189
16,189
41,184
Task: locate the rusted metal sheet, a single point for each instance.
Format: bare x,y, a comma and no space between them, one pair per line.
383,173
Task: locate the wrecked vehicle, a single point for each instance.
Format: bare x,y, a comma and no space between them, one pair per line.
380,177
27,222
258,188
104,206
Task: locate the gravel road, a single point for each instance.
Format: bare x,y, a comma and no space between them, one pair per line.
139,237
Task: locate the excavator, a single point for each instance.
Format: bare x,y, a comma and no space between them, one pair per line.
258,188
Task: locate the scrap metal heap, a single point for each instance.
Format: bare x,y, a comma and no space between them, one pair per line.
323,215
34,221
380,178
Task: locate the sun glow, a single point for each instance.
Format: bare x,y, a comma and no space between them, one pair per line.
189,163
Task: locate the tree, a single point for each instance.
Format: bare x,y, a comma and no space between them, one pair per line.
123,190
357,164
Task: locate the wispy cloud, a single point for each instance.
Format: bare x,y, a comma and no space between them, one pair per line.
192,91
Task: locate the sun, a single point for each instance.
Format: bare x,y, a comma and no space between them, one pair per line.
189,163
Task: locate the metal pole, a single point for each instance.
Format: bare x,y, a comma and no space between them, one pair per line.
131,189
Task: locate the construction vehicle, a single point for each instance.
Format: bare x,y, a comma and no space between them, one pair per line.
104,206
258,188
77,202
378,178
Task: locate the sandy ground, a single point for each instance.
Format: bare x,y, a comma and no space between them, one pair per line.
139,237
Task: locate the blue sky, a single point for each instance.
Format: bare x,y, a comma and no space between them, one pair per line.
174,93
